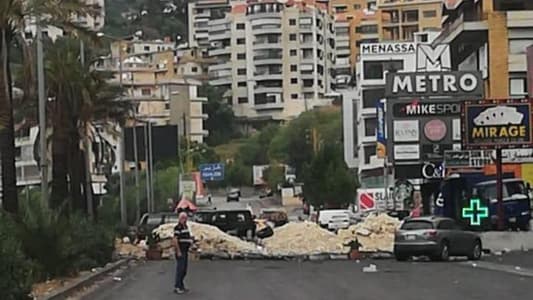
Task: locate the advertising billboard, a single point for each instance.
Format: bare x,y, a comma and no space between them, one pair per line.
381,140
490,124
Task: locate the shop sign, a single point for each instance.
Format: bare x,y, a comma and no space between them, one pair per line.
406,131
433,170
426,108
445,83
496,123
406,152
381,145
435,130
387,48
369,199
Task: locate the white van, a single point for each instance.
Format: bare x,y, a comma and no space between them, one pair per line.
334,219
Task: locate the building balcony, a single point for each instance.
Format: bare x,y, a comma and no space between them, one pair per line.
257,18
269,30
220,67
267,90
267,61
200,132
269,106
218,36
275,45
268,76
220,51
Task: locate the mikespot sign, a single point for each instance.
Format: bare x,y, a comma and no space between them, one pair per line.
491,124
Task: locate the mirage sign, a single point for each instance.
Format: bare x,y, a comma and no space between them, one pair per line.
491,124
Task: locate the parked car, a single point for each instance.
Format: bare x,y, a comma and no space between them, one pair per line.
238,222
437,237
277,216
233,195
334,219
150,221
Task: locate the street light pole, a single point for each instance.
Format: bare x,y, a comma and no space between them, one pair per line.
136,158
87,146
42,114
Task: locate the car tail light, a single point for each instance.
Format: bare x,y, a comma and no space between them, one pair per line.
430,234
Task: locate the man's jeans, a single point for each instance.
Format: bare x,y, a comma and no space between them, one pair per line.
181,270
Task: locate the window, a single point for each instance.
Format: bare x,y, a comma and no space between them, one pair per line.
357,6
517,86
241,71
370,126
167,106
417,225
294,68
371,96
294,80
292,22
292,37
293,52
369,151
446,225
241,83
519,46
429,13
194,69
146,48
241,55
241,100
375,69
240,41
240,26
146,92
367,29
18,153
294,96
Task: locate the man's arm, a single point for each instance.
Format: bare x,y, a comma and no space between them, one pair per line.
175,243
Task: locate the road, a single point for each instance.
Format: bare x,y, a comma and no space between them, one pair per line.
330,280
254,202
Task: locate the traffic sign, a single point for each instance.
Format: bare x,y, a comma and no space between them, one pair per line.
212,172
475,212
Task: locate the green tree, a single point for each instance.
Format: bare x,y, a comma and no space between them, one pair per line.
221,123
274,175
327,180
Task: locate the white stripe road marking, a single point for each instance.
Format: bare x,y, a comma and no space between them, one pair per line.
499,267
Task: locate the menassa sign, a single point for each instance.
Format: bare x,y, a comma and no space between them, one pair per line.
452,83
493,124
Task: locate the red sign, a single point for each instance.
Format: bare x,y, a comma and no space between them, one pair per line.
435,130
366,201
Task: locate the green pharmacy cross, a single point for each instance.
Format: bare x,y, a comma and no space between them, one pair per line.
475,212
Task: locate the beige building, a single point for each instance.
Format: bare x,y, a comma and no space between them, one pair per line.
153,82
274,59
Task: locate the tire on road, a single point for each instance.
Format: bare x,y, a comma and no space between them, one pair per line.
444,252
477,251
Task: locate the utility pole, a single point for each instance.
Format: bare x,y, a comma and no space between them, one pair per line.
499,188
123,209
42,114
147,174
136,158
152,203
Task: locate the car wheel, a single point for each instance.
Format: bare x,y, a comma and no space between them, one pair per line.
401,256
477,251
443,253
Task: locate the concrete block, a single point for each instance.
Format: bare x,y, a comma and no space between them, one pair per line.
504,241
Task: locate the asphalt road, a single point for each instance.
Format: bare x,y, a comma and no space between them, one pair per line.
332,280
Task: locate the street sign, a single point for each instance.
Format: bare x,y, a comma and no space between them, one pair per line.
476,212
212,172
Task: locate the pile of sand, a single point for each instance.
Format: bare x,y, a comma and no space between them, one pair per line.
303,238
375,233
129,250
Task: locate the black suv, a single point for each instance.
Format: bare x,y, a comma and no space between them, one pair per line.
151,221
235,222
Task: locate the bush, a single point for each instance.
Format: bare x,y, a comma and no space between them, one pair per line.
62,245
15,270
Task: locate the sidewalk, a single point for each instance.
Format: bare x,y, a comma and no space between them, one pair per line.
518,259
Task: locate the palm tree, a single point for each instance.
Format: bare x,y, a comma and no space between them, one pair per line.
14,16
81,97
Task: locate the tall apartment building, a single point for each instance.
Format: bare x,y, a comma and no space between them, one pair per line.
399,20
200,12
274,59
490,36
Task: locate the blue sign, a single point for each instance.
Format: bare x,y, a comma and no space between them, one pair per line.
381,148
212,172
496,123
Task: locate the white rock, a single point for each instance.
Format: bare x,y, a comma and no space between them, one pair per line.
370,269
126,240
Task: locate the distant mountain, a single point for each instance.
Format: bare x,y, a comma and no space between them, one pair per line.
156,18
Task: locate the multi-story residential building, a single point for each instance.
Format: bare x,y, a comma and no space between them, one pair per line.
492,37
200,12
274,59
93,21
399,20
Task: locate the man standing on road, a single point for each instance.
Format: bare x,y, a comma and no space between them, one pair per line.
182,242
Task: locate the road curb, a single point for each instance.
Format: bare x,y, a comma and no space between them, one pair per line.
85,281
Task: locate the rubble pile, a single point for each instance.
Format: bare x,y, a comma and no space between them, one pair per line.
303,238
209,240
126,249
375,233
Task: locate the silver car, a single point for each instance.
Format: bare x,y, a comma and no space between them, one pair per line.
436,237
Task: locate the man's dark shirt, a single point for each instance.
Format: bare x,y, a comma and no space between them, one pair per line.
182,233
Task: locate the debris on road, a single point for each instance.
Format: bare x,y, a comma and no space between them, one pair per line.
303,238
129,250
375,233
209,240
370,269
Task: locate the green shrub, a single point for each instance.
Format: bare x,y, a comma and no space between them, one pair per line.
15,270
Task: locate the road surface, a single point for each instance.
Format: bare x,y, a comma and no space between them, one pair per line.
330,280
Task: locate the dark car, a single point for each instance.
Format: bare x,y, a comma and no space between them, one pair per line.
150,221
233,195
436,237
235,222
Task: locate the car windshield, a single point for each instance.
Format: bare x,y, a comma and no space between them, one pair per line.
171,219
509,189
417,225
155,220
